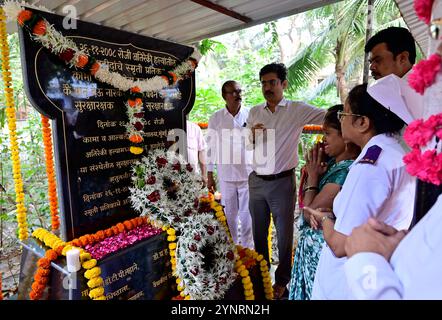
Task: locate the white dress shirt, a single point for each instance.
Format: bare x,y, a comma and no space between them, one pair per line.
195,143
226,138
383,190
276,150
414,271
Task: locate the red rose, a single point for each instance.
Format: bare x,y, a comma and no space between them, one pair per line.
154,196
230,255
151,180
187,213
189,167
195,203
210,230
139,115
197,237
67,55
138,125
161,162
176,166
192,247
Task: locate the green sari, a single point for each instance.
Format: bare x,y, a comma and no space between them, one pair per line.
310,241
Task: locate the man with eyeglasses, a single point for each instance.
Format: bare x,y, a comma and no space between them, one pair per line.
226,141
276,127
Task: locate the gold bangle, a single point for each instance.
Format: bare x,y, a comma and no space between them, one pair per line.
311,189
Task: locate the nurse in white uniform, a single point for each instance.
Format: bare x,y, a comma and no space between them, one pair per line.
377,184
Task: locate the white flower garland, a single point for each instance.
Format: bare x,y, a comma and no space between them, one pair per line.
57,43
202,238
165,210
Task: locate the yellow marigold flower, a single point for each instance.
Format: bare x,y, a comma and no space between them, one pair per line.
252,297
92,273
85,256
95,282
171,238
95,293
172,253
180,288
241,268
171,231
89,264
259,257
248,286
263,263
248,293
178,280
66,249
136,150
101,298
172,246
268,290
245,280
187,298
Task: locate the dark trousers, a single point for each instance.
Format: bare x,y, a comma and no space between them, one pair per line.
278,197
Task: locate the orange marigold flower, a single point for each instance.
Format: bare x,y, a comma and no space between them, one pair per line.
120,227
138,101
59,250
131,103
95,67
35,295
44,263
115,230
135,89
95,237
37,287
24,16
43,272
101,235
135,138
82,60
108,233
83,241
128,225
76,243
51,255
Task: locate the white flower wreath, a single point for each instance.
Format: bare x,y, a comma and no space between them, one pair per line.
205,258
165,188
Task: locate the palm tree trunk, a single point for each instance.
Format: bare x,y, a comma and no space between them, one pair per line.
340,68
368,32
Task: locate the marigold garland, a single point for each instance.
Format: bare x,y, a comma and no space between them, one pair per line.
50,172
58,247
245,257
10,114
44,33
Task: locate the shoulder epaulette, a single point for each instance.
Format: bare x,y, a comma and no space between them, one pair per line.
372,155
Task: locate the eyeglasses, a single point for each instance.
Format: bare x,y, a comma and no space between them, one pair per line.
342,114
239,91
271,82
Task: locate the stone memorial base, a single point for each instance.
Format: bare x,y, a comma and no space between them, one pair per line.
140,272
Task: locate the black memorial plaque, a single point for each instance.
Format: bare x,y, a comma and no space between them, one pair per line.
93,161
139,272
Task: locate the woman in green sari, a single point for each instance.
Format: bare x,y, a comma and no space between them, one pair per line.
323,183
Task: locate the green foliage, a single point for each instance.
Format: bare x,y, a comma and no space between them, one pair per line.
31,152
207,45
